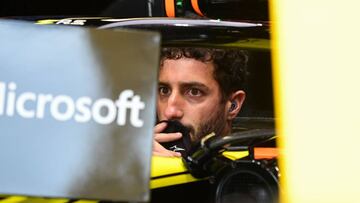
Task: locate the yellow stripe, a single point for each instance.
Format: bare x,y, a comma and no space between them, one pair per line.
46,22
235,155
24,199
13,199
163,166
172,180
44,200
251,43
166,165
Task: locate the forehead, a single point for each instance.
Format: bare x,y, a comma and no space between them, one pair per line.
187,70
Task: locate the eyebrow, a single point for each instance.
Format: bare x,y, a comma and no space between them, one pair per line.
188,84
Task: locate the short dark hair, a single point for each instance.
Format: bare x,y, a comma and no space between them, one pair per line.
230,65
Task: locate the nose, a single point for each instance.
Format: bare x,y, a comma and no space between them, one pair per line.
174,108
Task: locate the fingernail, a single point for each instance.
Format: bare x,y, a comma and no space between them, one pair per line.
179,134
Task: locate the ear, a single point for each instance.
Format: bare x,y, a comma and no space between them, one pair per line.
233,105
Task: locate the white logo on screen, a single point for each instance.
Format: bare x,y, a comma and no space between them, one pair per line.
63,107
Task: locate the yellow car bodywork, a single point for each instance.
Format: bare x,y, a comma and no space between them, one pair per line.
165,172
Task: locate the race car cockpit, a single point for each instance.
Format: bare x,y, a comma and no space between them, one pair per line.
240,167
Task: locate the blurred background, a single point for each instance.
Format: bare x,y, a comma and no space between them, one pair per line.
69,7
216,9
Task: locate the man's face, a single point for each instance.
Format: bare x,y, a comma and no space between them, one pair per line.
189,93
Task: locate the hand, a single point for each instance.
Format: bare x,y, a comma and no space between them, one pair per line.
158,149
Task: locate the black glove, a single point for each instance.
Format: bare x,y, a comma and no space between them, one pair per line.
182,145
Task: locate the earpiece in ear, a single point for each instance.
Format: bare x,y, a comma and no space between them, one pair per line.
233,106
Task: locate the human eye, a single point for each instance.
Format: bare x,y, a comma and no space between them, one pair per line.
164,91
195,92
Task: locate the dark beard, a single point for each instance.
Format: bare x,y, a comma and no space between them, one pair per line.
216,124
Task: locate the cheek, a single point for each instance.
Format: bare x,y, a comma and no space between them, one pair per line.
201,114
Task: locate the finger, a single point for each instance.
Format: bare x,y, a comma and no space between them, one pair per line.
167,137
160,127
159,150
176,154
158,147
171,154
